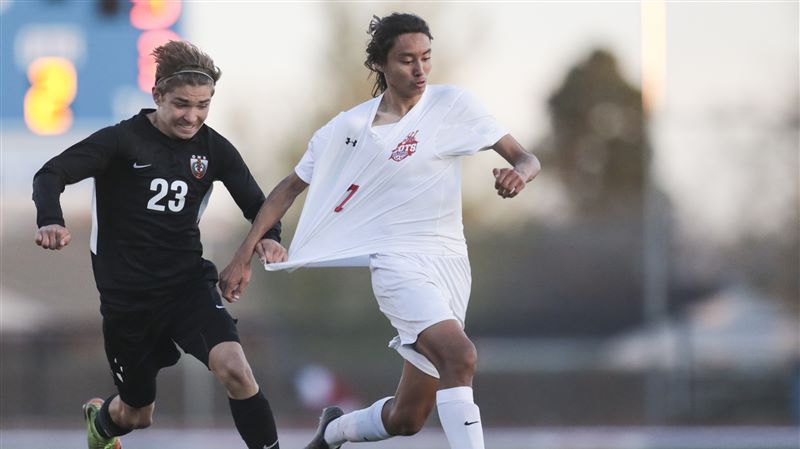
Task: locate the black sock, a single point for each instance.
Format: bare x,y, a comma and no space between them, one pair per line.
105,426
254,421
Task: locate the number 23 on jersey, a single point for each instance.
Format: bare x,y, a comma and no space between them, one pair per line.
162,188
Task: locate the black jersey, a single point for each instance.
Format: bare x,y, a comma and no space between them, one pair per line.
150,192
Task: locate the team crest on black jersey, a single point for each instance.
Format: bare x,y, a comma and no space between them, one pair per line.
405,148
199,166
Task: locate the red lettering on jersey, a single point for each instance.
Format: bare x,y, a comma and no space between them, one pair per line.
405,148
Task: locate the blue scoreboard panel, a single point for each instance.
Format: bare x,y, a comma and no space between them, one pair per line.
64,61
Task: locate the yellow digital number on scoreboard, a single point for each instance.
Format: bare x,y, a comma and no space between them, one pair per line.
54,83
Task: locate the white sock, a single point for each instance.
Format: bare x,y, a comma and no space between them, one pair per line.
358,426
460,418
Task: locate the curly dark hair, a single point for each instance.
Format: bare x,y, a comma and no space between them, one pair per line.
384,32
178,56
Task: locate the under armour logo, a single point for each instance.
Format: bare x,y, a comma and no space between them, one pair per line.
350,141
469,423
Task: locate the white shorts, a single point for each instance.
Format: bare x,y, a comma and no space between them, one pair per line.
416,291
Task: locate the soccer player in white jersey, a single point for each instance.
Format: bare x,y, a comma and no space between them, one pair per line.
390,169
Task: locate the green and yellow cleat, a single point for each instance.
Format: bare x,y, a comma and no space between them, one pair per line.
90,409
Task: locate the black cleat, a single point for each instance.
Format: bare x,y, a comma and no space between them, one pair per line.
328,415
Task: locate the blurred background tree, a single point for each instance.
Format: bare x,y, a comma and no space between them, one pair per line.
598,140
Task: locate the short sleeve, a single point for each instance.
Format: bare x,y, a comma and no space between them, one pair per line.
319,141
467,128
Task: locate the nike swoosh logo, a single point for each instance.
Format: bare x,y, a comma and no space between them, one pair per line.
136,165
468,423
220,307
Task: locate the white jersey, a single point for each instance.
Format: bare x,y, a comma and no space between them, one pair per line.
397,189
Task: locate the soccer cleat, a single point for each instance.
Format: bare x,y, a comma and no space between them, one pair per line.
90,409
328,415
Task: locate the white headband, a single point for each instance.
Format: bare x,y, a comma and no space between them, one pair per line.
181,72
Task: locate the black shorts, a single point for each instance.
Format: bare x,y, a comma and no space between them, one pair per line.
140,342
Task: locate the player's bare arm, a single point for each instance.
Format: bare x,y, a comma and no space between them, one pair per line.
234,278
524,167
53,236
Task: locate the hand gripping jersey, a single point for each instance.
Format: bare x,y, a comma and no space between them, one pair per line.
399,192
150,192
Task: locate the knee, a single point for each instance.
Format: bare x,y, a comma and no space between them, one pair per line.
405,424
231,368
232,371
470,359
462,362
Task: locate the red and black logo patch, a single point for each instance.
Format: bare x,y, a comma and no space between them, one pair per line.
198,166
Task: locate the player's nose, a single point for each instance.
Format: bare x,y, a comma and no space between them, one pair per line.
191,115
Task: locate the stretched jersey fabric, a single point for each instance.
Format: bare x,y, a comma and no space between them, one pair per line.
149,194
397,190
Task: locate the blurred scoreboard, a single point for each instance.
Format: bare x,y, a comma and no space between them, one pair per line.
63,61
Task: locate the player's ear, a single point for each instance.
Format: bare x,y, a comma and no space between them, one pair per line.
156,96
378,67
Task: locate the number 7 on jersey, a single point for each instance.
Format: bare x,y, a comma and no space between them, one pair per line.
351,191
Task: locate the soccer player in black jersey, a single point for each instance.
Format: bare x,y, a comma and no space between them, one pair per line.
153,175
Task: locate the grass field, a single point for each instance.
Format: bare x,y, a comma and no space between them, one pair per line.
532,438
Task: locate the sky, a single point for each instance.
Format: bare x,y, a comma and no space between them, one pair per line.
731,88
512,55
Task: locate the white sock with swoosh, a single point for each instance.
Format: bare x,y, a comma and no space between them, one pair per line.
460,418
